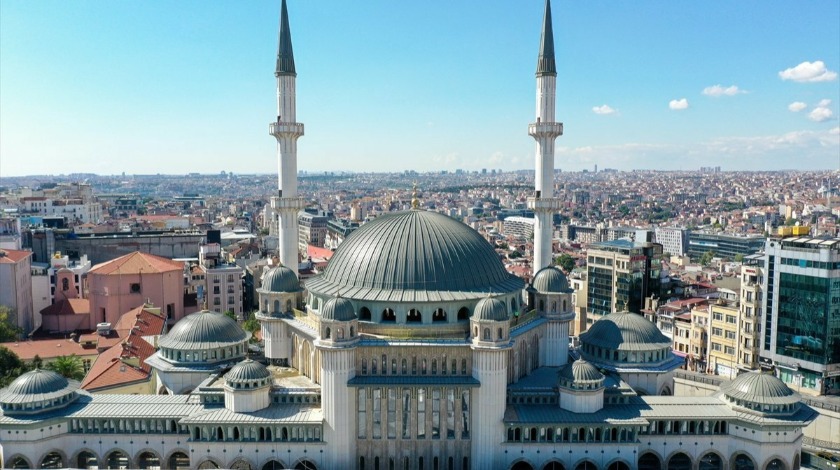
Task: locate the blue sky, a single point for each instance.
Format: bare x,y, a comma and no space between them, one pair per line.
177,87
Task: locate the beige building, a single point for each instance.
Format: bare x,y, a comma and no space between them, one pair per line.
698,358
723,339
749,339
16,287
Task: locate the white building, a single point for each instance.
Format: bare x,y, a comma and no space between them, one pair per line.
519,227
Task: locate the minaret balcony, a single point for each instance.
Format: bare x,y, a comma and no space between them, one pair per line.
545,129
285,129
288,203
545,204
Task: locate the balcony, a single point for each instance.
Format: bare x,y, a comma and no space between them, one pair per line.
545,129
547,204
285,129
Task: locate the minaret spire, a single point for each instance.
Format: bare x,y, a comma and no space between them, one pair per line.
287,131
285,55
545,62
545,131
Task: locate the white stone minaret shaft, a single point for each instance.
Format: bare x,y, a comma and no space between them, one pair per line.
544,131
286,130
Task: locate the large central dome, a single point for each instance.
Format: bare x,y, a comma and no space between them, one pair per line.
398,255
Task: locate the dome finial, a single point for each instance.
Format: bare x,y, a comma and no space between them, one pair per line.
415,203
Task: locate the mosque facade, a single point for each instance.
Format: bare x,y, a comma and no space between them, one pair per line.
414,349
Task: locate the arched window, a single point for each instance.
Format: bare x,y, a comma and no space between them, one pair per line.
85,459
414,316
289,305
276,306
65,284
364,366
500,334
405,367
388,316
649,461
679,461
775,464
463,314
327,333
352,332
364,314
542,305
553,307
711,461
743,462
439,315
486,335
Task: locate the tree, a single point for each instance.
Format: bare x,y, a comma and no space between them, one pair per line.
10,366
706,258
9,331
739,258
514,255
68,366
566,262
251,325
230,314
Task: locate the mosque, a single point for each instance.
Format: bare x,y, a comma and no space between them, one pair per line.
415,349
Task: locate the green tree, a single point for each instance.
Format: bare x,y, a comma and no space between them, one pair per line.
566,262
706,258
739,258
230,314
9,331
68,366
251,324
10,366
514,255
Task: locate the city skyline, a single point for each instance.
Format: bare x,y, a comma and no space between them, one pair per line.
737,86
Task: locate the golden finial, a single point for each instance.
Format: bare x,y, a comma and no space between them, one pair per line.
415,203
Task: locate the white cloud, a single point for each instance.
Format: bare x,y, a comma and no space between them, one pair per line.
718,90
834,131
797,106
808,72
605,109
678,104
821,113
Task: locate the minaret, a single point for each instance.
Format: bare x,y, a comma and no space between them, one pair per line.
544,131
286,130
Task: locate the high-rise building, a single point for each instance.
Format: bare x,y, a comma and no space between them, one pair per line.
723,245
801,307
312,230
674,240
621,274
16,287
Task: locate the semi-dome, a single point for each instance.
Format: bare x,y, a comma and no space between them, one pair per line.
247,371
204,330
551,280
490,309
625,331
759,388
280,279
403,256
580,374
338,309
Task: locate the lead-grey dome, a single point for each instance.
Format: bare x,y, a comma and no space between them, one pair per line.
247,371
280,279
490,309
760,388
204,330
404,256
39,390
625,331
580,374
551,280
338,309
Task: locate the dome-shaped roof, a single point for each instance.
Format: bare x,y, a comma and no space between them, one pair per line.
490,309
280,279
761,388
247,371
204,330
625,331
580,372
338,309
402,256
37,385
551,280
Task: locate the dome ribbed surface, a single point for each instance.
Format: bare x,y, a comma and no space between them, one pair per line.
551,280
338,309
581,372
246,371
757,387
490,309
37,385
625,331
414,256
280,279
204,330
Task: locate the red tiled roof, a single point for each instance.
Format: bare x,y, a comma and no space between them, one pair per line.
134,263
68,307
47,349
13,256
318,252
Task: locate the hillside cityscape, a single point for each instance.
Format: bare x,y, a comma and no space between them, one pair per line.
536,319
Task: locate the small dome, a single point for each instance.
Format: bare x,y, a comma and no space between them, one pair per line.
247,371
338,309
280,279
37,385
551,280
625,331
491,309
581,372
204,330
760,388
